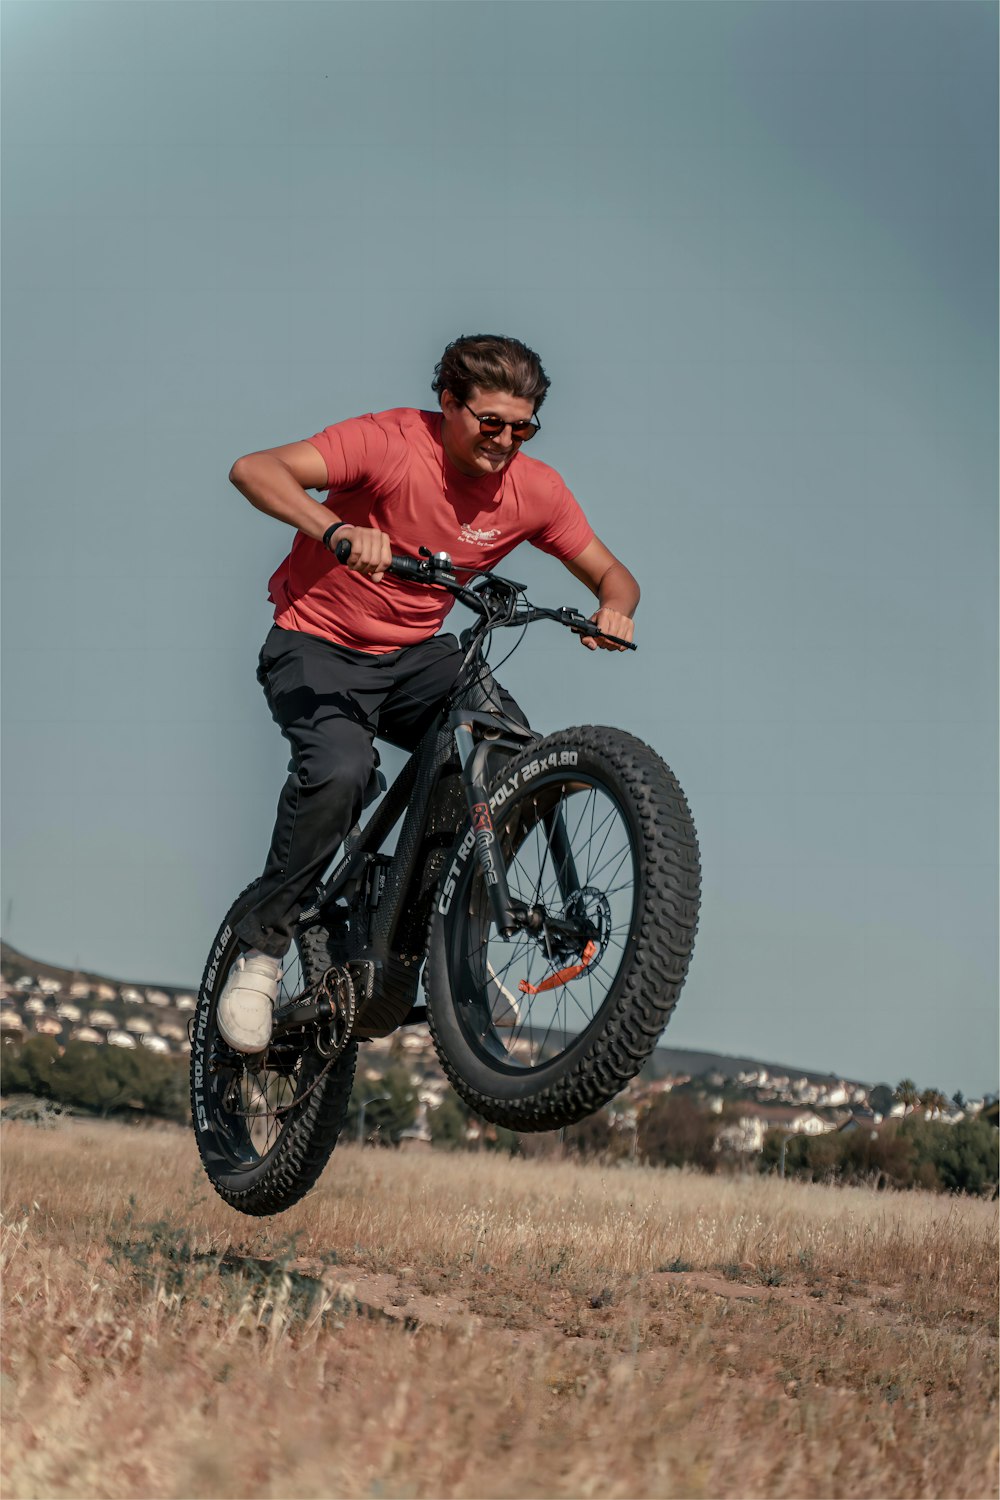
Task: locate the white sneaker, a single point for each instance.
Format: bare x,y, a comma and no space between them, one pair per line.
247,1001
504,1008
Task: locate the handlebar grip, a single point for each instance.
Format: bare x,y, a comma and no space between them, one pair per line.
587,628
407,567
400,567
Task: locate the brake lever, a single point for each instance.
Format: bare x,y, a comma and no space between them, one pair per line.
581,626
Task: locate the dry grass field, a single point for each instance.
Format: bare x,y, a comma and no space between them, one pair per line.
475,1326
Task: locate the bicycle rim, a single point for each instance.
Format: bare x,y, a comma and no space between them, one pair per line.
523,1005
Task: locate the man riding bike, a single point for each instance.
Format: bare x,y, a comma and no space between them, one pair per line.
355,652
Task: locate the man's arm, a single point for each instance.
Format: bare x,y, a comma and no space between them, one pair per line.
275,481
616,590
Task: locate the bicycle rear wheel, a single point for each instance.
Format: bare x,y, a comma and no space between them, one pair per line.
265,1125
537,1031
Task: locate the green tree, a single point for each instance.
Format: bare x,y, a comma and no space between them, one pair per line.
498,1138
969,1159
92,1077
932,1101
881,1098
13,1071
386,1117
449,1123
27,1066
960,1158
906,1094
883,1156
675,1131
598,1137
100,1078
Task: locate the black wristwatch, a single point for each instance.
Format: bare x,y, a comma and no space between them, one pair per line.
328,533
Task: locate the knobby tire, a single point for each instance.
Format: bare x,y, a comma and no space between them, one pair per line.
611,1049
305,1140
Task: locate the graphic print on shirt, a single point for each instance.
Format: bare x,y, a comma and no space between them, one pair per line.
479,538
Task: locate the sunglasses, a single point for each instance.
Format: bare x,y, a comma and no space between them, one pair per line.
492,426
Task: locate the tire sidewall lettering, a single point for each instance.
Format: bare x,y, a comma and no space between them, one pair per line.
219,951
218,954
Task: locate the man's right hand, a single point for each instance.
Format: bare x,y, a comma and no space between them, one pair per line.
371,553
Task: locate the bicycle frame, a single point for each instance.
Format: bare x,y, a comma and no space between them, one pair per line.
389,897
442,786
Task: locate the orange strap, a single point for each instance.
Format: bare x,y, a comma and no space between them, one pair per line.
562,976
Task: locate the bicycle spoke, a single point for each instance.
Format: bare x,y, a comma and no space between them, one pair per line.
593,809
588,1016
591,871
585,822
620,855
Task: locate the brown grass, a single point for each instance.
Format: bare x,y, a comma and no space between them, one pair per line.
474,1326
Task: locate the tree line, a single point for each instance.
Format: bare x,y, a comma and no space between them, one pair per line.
914,1152
676,1129
105,1080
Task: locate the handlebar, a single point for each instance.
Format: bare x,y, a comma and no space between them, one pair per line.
400,567
437,570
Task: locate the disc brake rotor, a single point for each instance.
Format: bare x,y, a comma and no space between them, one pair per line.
592,910
589,910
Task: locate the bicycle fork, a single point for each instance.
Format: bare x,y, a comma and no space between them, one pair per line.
510,915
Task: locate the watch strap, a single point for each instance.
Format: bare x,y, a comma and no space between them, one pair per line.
328,533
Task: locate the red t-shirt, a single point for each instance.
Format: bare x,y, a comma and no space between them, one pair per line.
389,470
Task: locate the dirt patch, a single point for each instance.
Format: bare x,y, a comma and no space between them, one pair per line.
399,1298
834,1292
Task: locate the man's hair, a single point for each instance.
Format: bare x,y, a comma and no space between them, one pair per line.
493,364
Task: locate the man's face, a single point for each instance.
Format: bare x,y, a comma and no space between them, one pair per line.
468,449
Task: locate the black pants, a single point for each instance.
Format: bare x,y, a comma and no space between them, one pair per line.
330,703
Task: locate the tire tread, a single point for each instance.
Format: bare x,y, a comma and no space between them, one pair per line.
307,1140
667,921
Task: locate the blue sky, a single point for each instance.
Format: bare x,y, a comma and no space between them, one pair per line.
755,245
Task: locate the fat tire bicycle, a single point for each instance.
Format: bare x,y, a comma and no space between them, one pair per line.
544,890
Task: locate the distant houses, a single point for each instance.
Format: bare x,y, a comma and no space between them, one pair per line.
748,1100
97,1012
747,1131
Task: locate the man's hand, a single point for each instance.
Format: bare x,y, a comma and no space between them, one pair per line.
613,623
617,590
371,553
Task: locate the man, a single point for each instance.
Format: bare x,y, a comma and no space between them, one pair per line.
354,651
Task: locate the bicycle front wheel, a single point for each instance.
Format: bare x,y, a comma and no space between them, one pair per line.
597,840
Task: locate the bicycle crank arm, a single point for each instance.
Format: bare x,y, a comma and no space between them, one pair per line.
303,1012
332,1002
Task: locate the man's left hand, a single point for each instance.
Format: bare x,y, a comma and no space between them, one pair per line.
612,623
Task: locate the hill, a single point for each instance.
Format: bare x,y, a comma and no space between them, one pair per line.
665,1061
